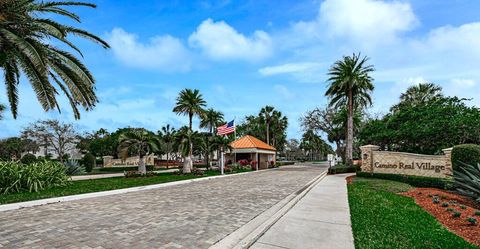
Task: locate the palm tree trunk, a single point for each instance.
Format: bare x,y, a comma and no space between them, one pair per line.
190,152
349,147
268,133
141,165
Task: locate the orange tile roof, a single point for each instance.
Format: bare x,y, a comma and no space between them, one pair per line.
250,142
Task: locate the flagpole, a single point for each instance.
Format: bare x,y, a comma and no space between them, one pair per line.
234,138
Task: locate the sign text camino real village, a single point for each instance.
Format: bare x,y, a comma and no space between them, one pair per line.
412,165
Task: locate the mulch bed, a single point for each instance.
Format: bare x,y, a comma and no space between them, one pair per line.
458,225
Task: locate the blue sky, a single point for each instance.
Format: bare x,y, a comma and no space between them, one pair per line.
243,55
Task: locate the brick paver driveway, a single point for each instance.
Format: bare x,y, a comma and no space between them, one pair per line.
193,215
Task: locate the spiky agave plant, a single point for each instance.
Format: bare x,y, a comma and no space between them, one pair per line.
27,35
467,180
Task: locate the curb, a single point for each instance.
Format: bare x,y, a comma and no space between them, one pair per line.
26,204
246,235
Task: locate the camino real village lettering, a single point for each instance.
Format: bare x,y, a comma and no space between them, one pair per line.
412,165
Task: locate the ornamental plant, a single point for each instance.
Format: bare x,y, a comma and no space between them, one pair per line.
467,180
436,200
456,214
472,220
477,212
16,177
444,204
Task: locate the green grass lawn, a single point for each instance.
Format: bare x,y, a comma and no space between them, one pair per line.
96,185
383,219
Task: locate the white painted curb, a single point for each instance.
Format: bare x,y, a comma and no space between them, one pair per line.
18,205
246,235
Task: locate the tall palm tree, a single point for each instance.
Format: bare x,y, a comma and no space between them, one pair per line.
25,48
266,114
350,86
211,119
167,135
419,94
141,140
191,103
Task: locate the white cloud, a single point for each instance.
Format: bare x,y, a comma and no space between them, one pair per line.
220,41
165,53
289,68
367,22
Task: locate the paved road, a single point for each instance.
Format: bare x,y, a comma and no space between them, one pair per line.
194,215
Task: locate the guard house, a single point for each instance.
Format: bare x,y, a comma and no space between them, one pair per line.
251,149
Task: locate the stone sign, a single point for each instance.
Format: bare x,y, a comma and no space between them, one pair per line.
108,161
388,162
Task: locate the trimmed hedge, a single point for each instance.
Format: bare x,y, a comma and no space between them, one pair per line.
28,159
416,181
465,154
283,163
89,162
122,169
340,169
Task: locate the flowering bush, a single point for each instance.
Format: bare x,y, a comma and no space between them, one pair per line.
254,165
243,162
272,163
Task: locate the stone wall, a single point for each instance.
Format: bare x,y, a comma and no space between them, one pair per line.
108,161
388,162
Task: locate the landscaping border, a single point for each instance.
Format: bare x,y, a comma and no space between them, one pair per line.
416,181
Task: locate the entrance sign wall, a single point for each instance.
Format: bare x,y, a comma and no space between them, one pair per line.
388,162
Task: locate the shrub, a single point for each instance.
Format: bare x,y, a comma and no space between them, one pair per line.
465,154
444,204
243,162
28,159
436,200
72,167
136,173
463,207
472,220
450,209
456,214
122,169
416,181
467,181
89,162
16,177
341,168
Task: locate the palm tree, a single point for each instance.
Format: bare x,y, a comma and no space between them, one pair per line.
211,119
184,139
25,48
141,140
167,135
350,86
266,114
419,94
190,102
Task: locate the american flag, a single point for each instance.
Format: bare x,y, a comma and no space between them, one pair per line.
226,128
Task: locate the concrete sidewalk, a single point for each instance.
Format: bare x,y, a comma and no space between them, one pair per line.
321,219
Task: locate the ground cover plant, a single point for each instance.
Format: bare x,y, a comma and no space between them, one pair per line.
96,185
17,177
381,218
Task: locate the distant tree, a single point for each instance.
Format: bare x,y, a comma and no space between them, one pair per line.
167,135
2,109
418,95
61,137
427,128
266,114
140,140
350,87
190,103
26,48
211,119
